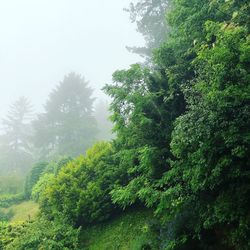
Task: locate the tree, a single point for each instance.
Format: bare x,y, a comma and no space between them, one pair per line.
15,142
33,177
190,163
150,19
143,114
67,127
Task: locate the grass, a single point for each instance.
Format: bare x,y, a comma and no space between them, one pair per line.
130,231
23,211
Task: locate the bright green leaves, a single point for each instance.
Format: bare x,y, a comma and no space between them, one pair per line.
80,191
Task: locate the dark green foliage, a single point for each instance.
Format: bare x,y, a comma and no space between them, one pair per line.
211,143
67,127
144,107
182,145
200,188
34,176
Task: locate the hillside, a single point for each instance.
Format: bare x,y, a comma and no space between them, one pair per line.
129,231
23,211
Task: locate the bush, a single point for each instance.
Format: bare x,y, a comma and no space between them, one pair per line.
8,200
80,191
41,234
52,170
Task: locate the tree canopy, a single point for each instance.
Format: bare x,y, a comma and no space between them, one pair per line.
67,127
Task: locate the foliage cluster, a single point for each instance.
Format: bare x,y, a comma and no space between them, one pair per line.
8,200
39,234
183,139
79,192
67,127
183,128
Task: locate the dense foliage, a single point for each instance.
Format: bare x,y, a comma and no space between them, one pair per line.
194,169
182,143
80,191
41,234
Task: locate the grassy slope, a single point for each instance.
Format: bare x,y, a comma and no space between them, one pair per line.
23,210
130,231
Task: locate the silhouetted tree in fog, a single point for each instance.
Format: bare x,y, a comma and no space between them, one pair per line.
150,19
67,127
15,141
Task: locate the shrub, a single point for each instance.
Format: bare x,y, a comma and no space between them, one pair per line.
41,234
80,192
10,199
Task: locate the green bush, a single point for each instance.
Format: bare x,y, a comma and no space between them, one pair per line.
41,234
8,200
51,170
80,191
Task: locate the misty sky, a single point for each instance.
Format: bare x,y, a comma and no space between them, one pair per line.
42,40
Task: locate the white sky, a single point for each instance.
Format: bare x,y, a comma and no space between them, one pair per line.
42,40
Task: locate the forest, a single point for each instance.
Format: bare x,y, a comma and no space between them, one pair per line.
174,174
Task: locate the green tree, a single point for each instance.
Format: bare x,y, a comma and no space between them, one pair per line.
204,198
204,60
143,114
211,143
67,127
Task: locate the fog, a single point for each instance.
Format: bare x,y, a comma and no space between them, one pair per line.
43,40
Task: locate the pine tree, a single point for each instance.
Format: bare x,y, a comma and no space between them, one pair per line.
67,127
15,142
